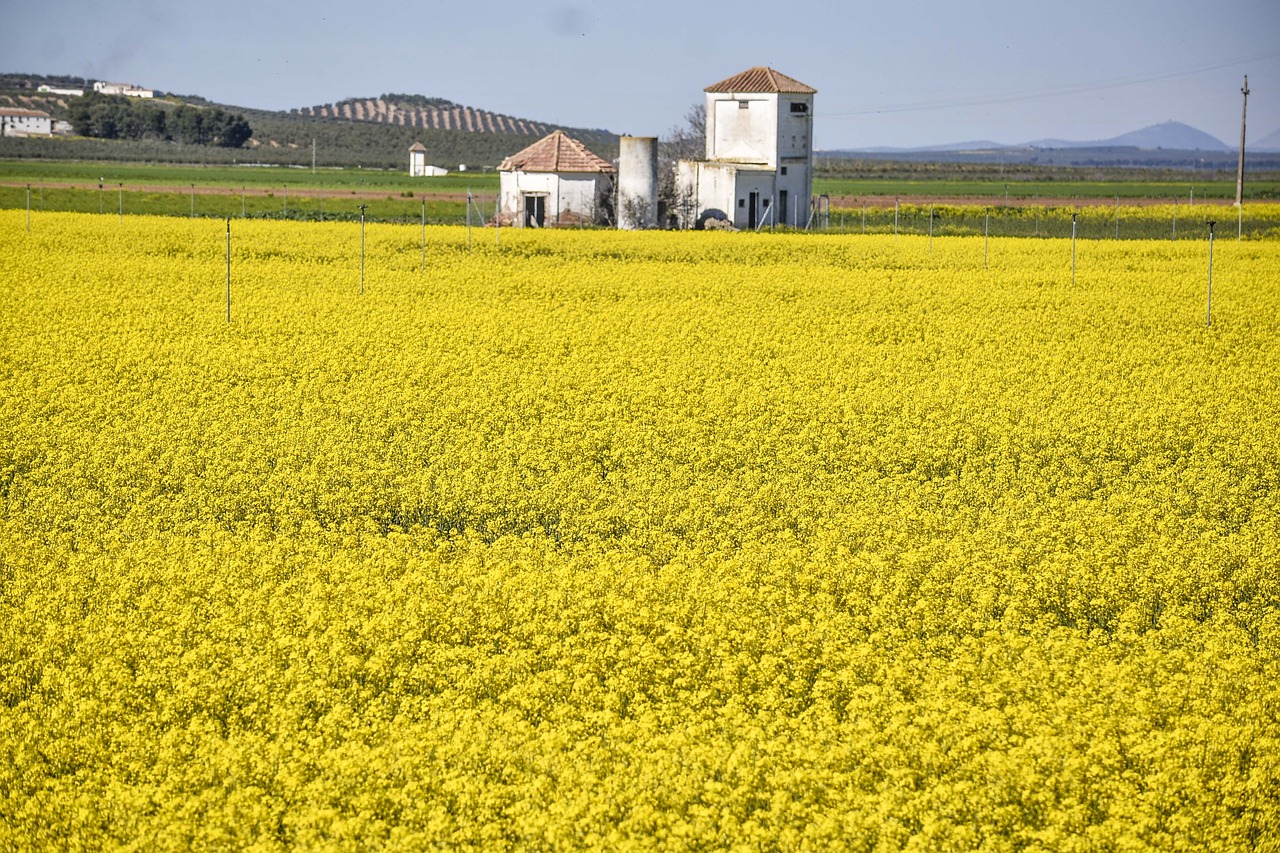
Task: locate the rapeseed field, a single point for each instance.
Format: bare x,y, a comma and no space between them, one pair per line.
599,540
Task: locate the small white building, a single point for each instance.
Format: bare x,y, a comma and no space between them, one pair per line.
128,89
418,165
758,169
20,122
52,90
554,181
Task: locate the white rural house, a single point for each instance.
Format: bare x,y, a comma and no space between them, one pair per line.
418,165
20,122
104,88
758,169
52,90
556,180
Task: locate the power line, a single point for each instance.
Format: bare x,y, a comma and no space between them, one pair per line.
1053,92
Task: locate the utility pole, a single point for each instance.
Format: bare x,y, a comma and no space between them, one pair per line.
1240,169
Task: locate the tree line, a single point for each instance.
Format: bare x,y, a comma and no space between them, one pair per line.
119,117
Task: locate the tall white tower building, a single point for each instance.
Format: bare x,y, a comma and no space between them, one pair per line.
758,169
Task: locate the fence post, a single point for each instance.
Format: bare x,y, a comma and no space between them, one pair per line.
362,208
1073,247
228,269
986,238
1208,317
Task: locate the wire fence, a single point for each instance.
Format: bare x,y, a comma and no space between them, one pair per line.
1092,221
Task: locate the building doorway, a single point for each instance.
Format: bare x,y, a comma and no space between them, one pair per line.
535,211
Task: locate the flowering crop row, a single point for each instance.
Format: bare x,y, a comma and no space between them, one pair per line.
635,540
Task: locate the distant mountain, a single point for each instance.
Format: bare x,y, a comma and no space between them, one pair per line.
978,145
1173,135
1268,144
1169,135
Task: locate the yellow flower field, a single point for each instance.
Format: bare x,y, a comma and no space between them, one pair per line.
607,540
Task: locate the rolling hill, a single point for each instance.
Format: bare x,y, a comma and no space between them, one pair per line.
368,132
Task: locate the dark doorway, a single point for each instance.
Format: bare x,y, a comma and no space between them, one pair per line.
753,203
535,211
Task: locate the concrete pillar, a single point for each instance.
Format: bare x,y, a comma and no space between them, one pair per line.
636,204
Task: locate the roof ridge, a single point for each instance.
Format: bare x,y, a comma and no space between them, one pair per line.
761,78
556,152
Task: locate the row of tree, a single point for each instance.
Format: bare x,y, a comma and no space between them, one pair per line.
120,117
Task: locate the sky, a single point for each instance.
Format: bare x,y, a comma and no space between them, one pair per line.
887,74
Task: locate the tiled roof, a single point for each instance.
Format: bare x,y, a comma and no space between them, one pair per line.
417,146
556,152
18,112
761,79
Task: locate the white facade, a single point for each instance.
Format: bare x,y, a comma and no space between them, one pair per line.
18,122
759,157
540,199
554,181
127,89
50,90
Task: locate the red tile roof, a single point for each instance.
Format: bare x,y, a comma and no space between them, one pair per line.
761,79
556,152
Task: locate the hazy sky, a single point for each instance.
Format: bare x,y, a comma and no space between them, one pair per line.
909,73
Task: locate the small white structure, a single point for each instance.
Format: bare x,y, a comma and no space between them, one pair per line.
127,89
51,90
637,196
759,165
554,181
418,165
19,122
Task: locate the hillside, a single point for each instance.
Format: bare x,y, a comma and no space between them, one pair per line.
367,132
434,113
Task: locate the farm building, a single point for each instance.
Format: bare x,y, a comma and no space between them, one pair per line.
128,89
758,169
556,180
52,90
418,165
20,122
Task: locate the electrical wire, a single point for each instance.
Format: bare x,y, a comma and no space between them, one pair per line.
1053,92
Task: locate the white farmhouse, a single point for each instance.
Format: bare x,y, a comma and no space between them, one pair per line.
128,89
53,90
418,165
20,122
759,165
556,180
